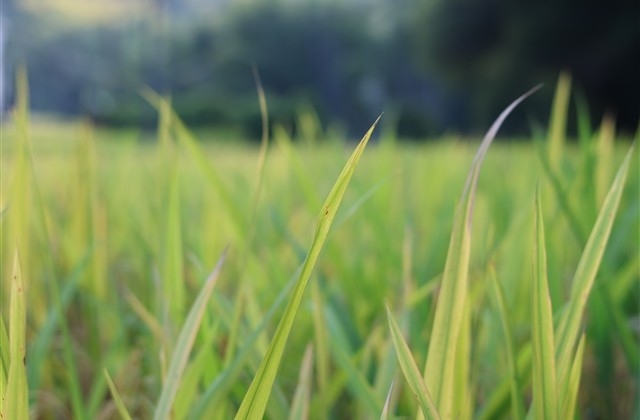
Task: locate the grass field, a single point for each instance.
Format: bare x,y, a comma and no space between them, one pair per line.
163,278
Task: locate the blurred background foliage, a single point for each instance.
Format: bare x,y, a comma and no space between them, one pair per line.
431,65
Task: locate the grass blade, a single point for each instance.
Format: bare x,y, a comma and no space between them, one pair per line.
4,356
172,259
255,401
585,274
569,404
517,407
185,343
16,404
186,139
411,371
321,344
440,366
300,404
545,403
387,402
124,414
558,123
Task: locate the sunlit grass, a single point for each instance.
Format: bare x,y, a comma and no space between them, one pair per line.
118,232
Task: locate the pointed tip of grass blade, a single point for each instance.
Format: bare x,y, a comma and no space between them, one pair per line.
587,269
185,343
387,402
472,178
255,400
440,366
122,409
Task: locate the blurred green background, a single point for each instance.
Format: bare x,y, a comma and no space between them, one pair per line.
432,66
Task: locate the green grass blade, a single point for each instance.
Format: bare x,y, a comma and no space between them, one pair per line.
172,258
604,152
387,402
440,366
145,316
568,330
545,398
558,120
16,404
195,371
300,404
4,357
411,371
185,343
187,140
517,407
321,343
262,156
462,400
255,401
562,196
569,405
122,410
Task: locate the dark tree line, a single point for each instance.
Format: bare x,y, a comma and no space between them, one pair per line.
431,66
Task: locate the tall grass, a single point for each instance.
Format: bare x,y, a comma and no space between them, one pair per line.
125,309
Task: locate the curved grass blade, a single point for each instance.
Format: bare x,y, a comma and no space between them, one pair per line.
545,398
411,371
255,401
16,404
440,366
517,407
185,343
568,330
122,410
